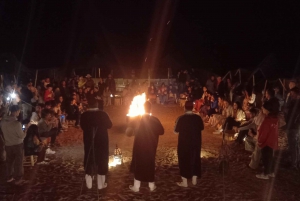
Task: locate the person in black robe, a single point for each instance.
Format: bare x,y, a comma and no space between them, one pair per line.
189,127
94,124
146,130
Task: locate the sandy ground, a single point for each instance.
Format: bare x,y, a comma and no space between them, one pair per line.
63,178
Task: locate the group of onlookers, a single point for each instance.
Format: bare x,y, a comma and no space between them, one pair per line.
257,126
32,117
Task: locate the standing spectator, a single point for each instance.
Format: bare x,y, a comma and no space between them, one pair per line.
279,97
26,96
220,89
210,84
146,130
189,127
101,86
270,97
74,113
268,140
111,84
181,81
46,82
13,136
94,124
49,95
64,91
293,122
89,81
292,84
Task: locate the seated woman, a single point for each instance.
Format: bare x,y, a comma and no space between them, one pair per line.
213,118
33,145
162,94
213,106
218,120
206,104
244,128
152,93
200,102
235,120
171,94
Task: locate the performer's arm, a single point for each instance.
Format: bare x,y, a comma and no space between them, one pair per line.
176,127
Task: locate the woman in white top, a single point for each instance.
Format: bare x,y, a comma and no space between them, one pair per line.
234,120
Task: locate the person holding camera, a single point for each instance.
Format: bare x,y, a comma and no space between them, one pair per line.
13,136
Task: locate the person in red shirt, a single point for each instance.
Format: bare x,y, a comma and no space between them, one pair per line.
49,96
268,140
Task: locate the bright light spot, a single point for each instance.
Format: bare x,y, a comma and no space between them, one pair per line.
244,139
13,95
8,98
111,95
117,160
137,106
236,135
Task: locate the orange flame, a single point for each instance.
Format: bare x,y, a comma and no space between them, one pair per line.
137,106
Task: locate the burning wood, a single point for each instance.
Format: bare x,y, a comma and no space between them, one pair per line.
137,106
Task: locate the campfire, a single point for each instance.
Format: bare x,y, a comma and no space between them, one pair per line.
137,106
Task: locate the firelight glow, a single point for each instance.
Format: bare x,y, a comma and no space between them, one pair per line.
137,106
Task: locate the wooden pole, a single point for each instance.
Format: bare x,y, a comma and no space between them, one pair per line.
168,76
283,91
253,80
149,77
265,87
36,75
99,72
1,81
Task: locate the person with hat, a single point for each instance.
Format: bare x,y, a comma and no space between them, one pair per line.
189,127
13,136
268,140
89,82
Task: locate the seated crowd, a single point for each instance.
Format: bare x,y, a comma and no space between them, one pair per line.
32,117
48,109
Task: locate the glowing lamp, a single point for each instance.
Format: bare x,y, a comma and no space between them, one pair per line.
13,95
117,157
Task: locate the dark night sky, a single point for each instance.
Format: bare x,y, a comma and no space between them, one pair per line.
217,35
